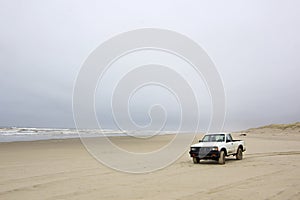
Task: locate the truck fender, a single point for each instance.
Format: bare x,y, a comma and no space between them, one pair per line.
240,146
224,149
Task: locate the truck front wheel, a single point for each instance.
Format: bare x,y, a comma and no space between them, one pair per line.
196,160
221,160
239,154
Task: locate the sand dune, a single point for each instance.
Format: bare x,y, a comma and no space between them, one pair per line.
63,169
277,129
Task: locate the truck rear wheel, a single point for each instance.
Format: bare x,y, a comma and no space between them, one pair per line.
239,154
196,160
221,160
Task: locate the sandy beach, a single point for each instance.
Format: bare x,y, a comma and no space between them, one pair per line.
63,169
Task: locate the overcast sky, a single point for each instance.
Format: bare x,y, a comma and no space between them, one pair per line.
254,44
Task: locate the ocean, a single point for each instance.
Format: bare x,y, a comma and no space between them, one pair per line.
15,134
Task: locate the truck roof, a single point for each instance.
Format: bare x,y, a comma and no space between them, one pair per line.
215,133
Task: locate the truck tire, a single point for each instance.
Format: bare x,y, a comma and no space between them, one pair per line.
196,160
221,160
239,154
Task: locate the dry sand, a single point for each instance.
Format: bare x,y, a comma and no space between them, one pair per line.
63,169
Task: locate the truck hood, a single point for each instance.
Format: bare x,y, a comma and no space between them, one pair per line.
207,144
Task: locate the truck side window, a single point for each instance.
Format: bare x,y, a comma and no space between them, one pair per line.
228,138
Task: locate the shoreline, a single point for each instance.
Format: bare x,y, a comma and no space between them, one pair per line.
7,137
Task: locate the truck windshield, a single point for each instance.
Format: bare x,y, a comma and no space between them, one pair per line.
214,138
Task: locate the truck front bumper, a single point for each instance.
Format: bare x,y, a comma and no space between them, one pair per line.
205,155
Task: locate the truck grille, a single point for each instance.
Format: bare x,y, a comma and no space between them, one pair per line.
204,150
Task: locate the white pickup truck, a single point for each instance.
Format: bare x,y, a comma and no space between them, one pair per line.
216,146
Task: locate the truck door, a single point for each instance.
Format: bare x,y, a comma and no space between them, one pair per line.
229,144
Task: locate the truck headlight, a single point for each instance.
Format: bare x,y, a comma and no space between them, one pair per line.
193,149
214,149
